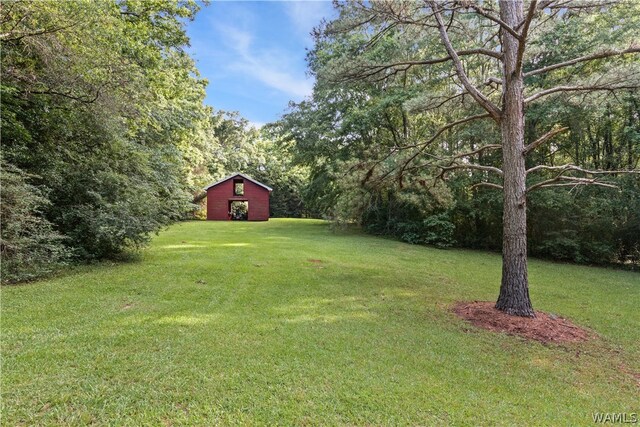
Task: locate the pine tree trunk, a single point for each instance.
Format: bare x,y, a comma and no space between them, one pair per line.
514,290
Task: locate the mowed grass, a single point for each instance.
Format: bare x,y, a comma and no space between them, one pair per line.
287,322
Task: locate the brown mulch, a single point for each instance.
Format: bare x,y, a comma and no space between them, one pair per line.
546,328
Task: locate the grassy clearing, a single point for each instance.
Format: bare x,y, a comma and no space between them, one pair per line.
230,323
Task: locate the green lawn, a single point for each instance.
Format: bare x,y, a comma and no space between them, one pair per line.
230,323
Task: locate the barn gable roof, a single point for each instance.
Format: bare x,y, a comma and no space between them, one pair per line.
233,175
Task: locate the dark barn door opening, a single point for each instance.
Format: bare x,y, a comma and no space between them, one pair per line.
239,210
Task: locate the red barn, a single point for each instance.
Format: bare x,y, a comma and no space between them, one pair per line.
238,197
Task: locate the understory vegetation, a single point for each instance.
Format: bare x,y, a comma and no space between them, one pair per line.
287,321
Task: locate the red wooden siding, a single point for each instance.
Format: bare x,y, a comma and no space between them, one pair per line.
219,195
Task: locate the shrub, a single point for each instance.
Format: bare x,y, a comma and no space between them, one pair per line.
439,231
436,230
29,246
560,247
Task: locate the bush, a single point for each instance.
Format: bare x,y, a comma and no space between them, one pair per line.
29,246
559,247
436,230
439,231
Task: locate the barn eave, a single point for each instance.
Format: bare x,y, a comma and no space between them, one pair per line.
243,176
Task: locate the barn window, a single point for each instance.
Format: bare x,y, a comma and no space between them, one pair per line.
238,187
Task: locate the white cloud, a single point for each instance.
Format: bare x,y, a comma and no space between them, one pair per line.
271,67
280,80
240,40
305,15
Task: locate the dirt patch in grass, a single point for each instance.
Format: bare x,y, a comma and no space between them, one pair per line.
546,328
635,375
317,263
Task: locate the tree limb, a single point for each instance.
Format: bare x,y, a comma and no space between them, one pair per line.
523,36
480,11
472,166
89,99
199,197
424,145
370,70
479,150
575,181
599,55
473,91
571,167
486,184
445,128
18,35
575,5
440,102
576,89
464,166
544,138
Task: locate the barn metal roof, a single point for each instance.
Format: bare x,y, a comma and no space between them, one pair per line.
233,175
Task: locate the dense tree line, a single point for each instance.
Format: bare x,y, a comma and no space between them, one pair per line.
102,113
395,141
264,155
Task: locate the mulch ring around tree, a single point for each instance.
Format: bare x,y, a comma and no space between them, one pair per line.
546,328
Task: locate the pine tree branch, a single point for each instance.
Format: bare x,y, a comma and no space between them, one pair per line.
444,169
441,101
523,36
471,166
573,185
575,181
364,71
445,128
562,169
599,55
482,12
486,184
580,5
479,150
577,89
544,138
570,167
464,79
423,145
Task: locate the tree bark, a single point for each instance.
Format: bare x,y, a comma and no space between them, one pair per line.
514,290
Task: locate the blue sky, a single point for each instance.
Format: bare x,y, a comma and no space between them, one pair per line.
253,54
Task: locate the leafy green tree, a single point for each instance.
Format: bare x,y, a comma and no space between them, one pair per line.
103,106
28,243
469,72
